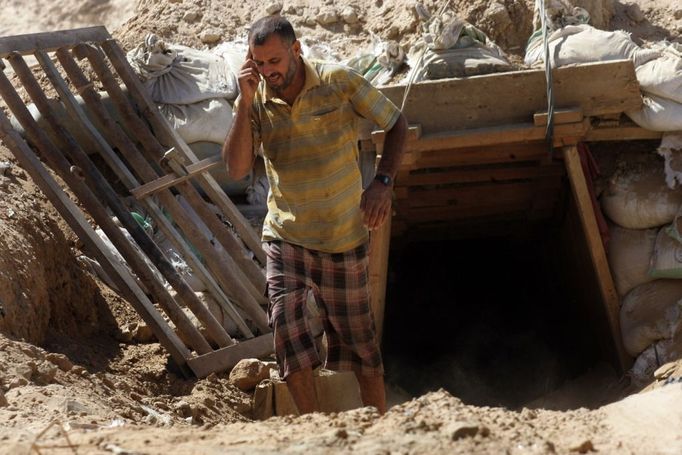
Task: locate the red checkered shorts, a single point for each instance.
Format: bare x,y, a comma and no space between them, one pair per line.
339,283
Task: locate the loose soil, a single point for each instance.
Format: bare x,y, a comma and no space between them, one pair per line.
78,368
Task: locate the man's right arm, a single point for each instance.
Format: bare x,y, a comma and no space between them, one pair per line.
237,151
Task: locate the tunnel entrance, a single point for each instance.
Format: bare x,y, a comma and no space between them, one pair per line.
496,321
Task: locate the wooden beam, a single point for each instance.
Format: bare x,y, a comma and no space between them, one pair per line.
379,245
514,97
609,295
487,174
569,115
51,41
226,358
169,180
621,133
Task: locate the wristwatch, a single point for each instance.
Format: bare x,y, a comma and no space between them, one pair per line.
384,179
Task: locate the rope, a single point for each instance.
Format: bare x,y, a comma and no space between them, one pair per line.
549,131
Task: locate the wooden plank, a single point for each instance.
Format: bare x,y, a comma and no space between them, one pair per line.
487,174
513,97
226,358
379,246
567,115
51,41
621,133
161,127
609,295
482,155
169,180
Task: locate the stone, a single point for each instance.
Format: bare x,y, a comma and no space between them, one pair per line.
210,36
664,371
183,409
310,21
17,382
349,15
46,373
190,16
583,447
80,371
274,8
248,373
634,12
678,13
62,361
143,334
460,430
327,16
3,399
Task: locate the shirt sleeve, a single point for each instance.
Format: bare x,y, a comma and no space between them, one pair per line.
370,103
255,126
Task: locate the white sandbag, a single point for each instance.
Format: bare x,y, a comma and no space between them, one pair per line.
666,262
462,62
671,151
658,114
175,74
649,313
662,77
639,198
629,252
583,43
653,357
205,121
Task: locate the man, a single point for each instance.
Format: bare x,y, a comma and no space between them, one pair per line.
316,231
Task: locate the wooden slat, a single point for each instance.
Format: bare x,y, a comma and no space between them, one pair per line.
488,174
621,133
569,115
50,41
512,153
169,180
513,97
609,295
226,358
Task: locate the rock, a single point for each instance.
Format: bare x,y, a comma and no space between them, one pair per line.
291,10
678,13
3,400
17,382
5,166
584,447
498,16
349,15
665,370
190,16
210,36
327,16
248,373
460,430
76,407
26,370
183,409
79,371
634,12
143,334
274,8
125,335
62,361
310,21
46,373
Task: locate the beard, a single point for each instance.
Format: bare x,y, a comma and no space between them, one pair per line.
284,80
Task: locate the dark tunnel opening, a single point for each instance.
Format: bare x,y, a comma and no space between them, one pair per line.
493,321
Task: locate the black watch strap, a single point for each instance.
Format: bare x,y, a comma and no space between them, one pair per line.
384,179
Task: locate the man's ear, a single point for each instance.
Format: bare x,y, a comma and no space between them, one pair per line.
296,48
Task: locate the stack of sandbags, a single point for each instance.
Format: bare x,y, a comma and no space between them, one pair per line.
645,257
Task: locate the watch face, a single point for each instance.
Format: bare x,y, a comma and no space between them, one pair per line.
385,179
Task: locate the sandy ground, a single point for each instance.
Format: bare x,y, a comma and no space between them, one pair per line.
77,369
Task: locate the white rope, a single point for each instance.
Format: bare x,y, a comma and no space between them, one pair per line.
549,131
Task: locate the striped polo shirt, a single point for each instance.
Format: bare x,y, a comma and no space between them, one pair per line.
311,156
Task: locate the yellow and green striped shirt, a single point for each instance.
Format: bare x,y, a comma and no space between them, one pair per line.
311,156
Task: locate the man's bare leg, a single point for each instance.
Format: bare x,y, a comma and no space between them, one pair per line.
372,391
302,389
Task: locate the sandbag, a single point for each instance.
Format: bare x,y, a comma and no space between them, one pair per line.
638,198
205,121
650,312
629,252
671,151
461,62
666,262
662,77
175,74
657,354
658,114
583,43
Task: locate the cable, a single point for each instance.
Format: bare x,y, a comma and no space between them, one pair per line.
549,131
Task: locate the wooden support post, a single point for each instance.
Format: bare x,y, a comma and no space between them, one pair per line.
609,295
379,245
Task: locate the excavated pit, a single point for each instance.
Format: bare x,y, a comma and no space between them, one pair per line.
495,321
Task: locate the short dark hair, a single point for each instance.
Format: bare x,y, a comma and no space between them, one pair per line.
271,25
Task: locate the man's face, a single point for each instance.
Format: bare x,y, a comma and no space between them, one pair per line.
277,61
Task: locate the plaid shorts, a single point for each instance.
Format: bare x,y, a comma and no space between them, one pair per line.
340,284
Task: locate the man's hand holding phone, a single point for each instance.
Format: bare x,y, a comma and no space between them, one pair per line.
249,78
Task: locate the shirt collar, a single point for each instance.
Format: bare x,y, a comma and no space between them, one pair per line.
312,79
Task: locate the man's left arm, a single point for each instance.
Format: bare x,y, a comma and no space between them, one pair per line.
376,199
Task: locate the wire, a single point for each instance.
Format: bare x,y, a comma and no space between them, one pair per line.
549,131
